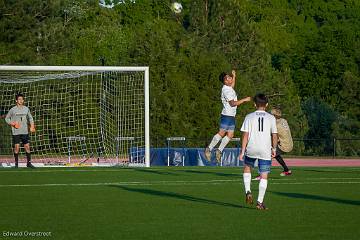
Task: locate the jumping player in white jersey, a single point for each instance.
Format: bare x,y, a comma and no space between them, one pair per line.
227,120
259,142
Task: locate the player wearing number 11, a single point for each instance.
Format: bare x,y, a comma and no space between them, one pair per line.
259,142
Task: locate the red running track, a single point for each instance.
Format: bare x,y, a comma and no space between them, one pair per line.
292,162
322,162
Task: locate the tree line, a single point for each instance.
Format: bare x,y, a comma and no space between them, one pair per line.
304,54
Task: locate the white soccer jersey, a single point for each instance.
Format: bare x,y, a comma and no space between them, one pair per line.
228,94
260,125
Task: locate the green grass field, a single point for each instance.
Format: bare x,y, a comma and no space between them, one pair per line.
178,203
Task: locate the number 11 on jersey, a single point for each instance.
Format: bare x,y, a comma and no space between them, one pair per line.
261,124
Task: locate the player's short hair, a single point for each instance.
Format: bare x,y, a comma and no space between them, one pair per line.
19,95
222,76
276,111
260,100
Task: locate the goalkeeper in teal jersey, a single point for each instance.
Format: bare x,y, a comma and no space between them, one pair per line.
19,118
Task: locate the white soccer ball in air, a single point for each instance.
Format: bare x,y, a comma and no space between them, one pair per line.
176,7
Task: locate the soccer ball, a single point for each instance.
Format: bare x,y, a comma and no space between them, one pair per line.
176,7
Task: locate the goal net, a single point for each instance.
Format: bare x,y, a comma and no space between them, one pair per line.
83,115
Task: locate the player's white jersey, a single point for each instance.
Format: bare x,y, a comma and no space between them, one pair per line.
260,125
228,94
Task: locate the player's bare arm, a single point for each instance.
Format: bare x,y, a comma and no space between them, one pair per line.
244,143
32,127
233,75
234,103
274,139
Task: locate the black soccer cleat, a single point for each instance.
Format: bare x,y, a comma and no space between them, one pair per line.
29,165
261,206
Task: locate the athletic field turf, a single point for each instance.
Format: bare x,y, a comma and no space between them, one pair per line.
178,203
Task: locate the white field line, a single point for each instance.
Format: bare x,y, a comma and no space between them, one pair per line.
304,183
167,183
121,183
58,170
326,178
110,169
105,169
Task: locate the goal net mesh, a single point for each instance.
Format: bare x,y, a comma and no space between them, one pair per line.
80,116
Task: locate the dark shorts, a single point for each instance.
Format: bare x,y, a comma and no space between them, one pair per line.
264,165
227,123
22,138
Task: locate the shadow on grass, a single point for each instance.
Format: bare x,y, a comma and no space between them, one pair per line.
161,172
317,198
177,196
329,171
213,173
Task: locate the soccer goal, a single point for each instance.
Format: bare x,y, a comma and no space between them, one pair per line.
83,115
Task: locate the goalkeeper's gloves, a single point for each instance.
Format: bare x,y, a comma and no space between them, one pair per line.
15,125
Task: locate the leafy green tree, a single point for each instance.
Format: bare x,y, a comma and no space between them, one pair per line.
301,53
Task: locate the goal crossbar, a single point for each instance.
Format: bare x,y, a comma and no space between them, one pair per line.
86,70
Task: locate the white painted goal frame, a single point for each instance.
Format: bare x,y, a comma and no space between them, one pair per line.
90,69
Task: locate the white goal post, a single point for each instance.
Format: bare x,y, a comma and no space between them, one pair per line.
84,115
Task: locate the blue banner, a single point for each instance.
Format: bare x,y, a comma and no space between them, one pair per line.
192,157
